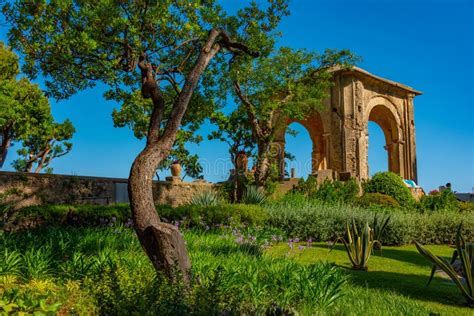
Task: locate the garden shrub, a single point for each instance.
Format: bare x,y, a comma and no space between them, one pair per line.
465,206
391,184
323,222
329,191
439,200
78,215
378,199
223,214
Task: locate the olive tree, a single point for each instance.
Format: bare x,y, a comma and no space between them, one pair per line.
181,44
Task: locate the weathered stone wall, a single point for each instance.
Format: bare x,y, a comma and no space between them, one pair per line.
27,189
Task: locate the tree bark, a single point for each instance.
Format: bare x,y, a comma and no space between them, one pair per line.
6,142
263,163
162,242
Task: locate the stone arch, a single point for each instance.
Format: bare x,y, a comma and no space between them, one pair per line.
383,112
315,126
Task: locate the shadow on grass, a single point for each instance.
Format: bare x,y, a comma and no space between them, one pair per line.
407,284
403,255
412,285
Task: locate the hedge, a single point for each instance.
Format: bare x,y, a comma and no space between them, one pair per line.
323,222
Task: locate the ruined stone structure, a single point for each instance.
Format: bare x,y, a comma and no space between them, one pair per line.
340,132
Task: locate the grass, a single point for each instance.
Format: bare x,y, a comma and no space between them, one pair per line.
105,271
398,277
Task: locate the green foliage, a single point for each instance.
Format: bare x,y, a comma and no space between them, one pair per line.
228,276
377,199
465,251
253,195
329,191
234,130
9,67
25,117
285,83
305,219
50,141
77,215
212,216
391,184
359,245
442,200
207,197
379,227
102,42
135,114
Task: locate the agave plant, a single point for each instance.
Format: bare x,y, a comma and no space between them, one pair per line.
253,195
359,245
464,278
205,198
379,228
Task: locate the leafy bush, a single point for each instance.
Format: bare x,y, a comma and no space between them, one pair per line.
329,191
377,199
77,215
440,200
253,195
391,184
321,222
211,216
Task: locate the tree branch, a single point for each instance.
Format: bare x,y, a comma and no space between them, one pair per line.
256,129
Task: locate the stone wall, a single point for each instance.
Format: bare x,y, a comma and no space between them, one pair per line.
25,189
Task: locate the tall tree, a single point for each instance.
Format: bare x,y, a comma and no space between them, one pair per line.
23,108
48,141
8,72
287,83
178,43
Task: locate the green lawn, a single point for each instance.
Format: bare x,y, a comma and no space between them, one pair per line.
397,278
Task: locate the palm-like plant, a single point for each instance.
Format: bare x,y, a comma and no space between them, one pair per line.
359,245
464,279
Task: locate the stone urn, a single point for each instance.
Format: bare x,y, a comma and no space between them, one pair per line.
242,161
176,169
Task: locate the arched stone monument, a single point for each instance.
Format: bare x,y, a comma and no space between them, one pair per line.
340,131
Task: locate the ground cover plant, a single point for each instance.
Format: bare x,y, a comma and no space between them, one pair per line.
103,270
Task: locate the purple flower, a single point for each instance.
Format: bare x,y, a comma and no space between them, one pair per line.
297,239
301,247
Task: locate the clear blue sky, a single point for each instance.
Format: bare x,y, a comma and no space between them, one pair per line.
424,44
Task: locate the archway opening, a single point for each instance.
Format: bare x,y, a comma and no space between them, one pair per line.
378,157
381,118
298,149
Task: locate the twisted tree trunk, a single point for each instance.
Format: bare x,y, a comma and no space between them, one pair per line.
162,242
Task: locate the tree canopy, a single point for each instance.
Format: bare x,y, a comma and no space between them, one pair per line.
25,118
180,46
285,84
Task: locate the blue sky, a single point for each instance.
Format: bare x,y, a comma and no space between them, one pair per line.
425,44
